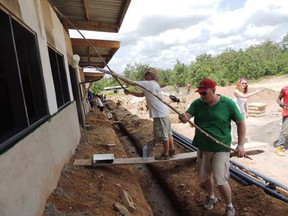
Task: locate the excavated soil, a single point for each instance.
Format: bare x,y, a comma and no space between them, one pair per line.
97,190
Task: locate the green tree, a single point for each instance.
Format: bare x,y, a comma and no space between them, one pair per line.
284,43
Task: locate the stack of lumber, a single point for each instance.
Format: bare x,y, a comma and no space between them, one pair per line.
256,109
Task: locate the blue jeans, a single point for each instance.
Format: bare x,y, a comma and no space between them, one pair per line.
283,137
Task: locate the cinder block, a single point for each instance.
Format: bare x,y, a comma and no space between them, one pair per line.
127,201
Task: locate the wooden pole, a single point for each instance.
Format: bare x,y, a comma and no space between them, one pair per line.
174,109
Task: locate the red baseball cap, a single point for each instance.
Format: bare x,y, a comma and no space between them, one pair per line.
205,84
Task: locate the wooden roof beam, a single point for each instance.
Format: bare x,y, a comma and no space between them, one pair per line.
96,43
92,26
93,64
86,9
94,55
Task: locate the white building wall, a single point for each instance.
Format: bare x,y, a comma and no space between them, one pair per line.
30,170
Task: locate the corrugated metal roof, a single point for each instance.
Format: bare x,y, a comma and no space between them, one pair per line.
94,15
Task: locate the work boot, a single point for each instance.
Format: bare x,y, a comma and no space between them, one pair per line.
230,211
210,203
280,151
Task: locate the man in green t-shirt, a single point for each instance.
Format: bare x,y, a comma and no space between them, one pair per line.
213,114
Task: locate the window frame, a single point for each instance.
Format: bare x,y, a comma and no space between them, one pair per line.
23,92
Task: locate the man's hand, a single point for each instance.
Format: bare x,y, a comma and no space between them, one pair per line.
183,118
240,150
284,106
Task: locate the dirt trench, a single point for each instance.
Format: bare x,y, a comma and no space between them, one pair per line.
157,198
95,191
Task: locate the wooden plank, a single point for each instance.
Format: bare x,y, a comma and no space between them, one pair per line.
257,105
138,160
256,112
256,108
257,115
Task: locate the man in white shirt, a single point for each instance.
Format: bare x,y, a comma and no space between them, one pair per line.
157,110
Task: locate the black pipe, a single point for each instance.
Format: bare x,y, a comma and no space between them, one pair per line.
238,175
239,179
266,179
253,181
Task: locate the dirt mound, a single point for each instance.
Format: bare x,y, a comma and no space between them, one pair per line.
92,192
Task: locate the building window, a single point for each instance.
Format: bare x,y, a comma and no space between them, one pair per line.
22,93
59,77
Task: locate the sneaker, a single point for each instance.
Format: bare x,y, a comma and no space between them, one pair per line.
162,157
210,203
280,151
172,153
230,211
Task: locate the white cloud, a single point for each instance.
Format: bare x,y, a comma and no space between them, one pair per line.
158,32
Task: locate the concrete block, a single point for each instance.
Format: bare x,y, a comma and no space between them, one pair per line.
127,201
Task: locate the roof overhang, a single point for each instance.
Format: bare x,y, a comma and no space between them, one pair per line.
96,56
93,76
93,15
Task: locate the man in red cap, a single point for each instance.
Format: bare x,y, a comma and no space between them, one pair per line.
213,114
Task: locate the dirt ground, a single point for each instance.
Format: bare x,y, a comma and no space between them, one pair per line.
99,190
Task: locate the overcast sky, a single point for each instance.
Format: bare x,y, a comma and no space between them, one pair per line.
158,32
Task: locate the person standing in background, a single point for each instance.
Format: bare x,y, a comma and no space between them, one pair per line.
189,88
177,89
240,98
282,143
91,99
99,103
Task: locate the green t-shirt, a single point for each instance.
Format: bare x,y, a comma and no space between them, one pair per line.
216,121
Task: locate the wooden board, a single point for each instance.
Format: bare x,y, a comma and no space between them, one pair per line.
256,108
257,115
257,105
139,160
256,111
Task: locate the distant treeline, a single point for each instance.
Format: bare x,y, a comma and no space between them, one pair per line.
266,59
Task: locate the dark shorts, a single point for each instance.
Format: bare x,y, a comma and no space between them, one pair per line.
92,103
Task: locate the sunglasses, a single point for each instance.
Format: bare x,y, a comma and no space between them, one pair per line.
203,93
244,83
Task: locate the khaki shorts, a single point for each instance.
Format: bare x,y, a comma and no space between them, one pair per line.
213,164
162,129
